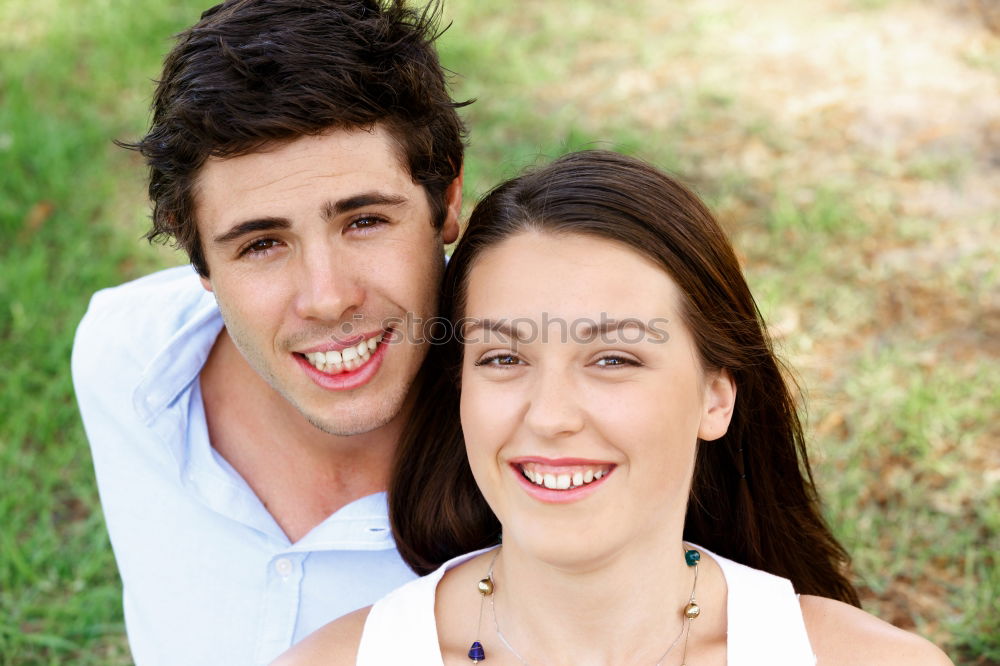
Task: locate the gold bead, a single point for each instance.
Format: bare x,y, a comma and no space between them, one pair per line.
485,587
692,611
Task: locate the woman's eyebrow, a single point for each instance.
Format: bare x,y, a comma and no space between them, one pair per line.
592,329
580,329
499,326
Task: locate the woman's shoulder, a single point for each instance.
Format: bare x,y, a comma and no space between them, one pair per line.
842,634
333,644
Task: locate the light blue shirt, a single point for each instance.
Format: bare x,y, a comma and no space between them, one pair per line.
208,575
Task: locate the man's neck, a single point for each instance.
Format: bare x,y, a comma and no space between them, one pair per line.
301,474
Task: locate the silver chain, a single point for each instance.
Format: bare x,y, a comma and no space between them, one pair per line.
685,623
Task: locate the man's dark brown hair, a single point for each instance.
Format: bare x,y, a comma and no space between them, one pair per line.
254,72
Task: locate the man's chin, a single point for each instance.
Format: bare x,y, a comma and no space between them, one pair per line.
353,423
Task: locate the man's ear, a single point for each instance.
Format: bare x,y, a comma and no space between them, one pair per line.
453,203
720,399
205,283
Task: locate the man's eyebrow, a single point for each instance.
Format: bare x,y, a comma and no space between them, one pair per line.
250,226
332,209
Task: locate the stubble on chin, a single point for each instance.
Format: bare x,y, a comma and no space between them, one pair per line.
358,422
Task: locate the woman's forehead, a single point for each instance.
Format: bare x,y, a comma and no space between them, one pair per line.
536,275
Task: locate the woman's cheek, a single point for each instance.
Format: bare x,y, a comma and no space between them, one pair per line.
477,422
487,425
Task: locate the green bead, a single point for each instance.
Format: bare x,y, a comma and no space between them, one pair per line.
691,557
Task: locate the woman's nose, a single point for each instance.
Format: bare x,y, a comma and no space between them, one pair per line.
554,410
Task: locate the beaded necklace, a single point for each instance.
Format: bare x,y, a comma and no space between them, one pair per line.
486,587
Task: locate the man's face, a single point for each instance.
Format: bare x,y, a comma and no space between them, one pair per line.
319,250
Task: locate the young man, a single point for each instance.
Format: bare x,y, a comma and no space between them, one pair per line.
243,415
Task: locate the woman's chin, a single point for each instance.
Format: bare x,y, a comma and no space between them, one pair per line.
573,552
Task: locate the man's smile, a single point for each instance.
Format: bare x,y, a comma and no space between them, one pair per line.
354,370
344,358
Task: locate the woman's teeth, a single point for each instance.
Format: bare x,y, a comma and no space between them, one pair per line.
580,476
345,360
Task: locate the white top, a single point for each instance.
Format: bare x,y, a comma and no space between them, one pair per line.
208,575
765,621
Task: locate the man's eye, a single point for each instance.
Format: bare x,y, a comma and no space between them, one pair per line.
259,247
366,222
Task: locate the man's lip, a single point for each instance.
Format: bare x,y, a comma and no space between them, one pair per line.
340,345
348,380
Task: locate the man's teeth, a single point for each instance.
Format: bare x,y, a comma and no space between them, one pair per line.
345,360
565,481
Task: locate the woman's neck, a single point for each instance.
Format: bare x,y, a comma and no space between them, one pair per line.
625,608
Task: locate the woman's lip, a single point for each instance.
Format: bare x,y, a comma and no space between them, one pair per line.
560,462
550,496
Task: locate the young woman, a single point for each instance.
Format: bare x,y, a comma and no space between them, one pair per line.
627,429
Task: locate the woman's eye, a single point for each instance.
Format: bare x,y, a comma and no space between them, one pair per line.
499,360
259,247
614,362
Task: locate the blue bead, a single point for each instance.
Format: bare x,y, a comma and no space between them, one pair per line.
691,557
476,653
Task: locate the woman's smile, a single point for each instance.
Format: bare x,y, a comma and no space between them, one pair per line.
561,480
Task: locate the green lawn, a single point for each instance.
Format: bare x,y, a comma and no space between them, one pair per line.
869,248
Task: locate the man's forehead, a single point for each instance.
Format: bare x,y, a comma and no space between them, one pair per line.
340,147
341,162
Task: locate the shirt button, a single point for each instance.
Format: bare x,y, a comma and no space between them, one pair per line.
283,566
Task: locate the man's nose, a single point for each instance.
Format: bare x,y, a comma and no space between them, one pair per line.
554,410
328,287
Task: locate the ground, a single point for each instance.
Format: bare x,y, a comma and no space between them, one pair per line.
851,147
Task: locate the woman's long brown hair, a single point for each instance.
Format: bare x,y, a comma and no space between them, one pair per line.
753,498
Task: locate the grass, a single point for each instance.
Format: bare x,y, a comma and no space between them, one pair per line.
63,72
874,272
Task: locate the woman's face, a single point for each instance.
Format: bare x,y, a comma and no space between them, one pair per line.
582,396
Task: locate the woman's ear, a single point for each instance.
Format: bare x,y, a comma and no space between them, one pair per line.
720,399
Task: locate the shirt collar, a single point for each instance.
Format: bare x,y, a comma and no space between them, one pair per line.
360,525
179,362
